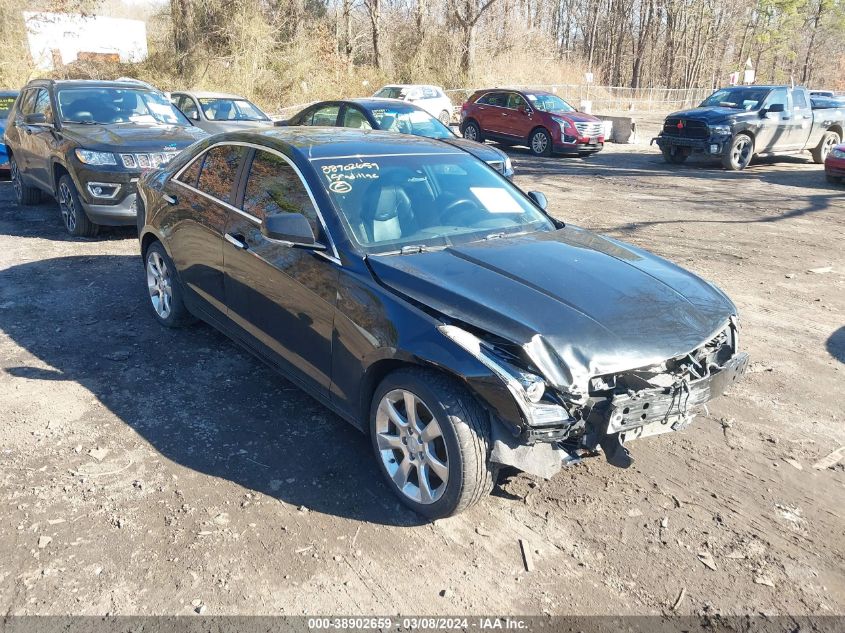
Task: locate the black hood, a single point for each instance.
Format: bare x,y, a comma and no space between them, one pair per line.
132,137
715,114
486,153
581,305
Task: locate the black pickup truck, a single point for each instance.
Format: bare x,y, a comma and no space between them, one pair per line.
737,123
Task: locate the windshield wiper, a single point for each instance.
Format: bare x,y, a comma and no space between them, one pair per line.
84,122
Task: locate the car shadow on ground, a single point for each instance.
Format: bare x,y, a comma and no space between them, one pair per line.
836,344
198,399
43,220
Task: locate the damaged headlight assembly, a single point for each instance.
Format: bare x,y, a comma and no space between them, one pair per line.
527,389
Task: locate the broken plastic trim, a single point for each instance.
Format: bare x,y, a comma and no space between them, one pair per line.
535,414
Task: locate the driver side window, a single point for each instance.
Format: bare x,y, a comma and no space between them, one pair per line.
778,96
515,101
188,107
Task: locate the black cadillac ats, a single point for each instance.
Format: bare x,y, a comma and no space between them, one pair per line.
431,303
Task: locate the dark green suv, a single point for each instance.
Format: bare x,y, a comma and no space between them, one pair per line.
86,143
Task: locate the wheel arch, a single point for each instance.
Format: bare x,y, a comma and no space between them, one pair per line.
58,170
836,127
540,126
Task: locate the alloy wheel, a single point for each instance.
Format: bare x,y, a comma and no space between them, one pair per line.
741,152
159,284
67,207
539,143
411,446
16,181
471,133
829,142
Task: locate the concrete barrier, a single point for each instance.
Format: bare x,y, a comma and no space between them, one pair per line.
623,128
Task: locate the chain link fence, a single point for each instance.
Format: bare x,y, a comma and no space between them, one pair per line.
607,99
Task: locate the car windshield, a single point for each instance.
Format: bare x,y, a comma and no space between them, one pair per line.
549,103
409,120
117,105
418,202
220,109
749,98
6,102
391,92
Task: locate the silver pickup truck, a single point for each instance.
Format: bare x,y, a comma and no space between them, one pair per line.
740,122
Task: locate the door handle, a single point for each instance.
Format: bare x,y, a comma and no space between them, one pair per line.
168,198
238,240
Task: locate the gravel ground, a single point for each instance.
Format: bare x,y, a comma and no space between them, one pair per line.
147,471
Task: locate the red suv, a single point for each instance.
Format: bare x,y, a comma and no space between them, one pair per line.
541,120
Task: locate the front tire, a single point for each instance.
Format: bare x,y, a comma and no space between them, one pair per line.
674,155
445,117
828,142
164,290
473,133
540,143
73,215
24,194
739,153
431,438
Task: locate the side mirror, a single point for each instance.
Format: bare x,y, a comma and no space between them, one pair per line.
281,123
293,228
539,199
776,107
36,118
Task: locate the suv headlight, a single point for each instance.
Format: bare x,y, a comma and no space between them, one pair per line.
720,130
526,388
563,123
90,157
508,171
837,153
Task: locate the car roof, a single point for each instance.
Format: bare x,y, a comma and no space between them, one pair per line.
92,83
334,142
374,102
9,93
204,94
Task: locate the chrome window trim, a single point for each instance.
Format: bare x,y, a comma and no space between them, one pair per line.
319,158
334,256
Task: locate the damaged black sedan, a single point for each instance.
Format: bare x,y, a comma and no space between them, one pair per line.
427,300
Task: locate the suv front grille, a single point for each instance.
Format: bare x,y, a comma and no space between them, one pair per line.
151,160
589,128
685,128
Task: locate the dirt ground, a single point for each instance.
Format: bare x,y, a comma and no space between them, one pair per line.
146,471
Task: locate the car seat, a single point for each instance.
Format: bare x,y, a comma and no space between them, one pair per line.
387,214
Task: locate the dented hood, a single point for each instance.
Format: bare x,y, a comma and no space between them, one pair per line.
580,304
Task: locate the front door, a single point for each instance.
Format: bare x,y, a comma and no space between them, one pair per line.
517,119
204,191
774,129
283,298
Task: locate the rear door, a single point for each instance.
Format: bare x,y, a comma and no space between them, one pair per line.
803,134
204,193
489,111
282,298
40,140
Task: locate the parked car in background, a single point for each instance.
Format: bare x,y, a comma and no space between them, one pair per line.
541,120
219,112
827,103
87,142
740,122
7,100
822,93
432,99
431,303
834,165
395,116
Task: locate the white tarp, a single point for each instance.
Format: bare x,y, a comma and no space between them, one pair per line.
65,35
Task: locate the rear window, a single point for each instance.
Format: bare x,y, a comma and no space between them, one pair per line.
219,170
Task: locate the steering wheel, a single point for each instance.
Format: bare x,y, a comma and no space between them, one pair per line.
458,209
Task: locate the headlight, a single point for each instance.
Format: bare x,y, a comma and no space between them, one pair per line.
563,123
838,153
526,388
90,157
720,130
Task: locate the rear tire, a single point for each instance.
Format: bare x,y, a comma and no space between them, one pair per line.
165,291
540,142
739,154
73,215
828,142
445,117
473,133
24,194
674,155
435,459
